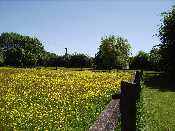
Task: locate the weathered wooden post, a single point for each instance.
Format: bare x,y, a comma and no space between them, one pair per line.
130,94
137,80
128,106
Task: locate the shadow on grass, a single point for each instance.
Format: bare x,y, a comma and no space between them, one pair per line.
159,81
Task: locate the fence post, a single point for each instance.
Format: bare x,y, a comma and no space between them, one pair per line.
130,93
138,77
128,106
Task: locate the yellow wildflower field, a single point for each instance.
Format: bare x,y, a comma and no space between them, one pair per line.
40,99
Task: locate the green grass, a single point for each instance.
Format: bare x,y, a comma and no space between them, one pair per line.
159,103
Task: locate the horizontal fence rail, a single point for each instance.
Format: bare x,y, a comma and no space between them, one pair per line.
107,120
122,106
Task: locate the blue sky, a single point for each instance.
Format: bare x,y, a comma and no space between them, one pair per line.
80,24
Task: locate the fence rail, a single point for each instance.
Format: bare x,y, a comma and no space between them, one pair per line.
122,106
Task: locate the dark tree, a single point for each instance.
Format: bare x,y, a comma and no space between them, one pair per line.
167,37
140,61
1,57
80,60
155,59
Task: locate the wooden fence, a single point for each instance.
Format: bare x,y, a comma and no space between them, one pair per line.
122,106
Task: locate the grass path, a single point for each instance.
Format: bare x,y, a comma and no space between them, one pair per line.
159,104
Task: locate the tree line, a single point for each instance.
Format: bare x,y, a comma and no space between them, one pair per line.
25,51
114,52
162,56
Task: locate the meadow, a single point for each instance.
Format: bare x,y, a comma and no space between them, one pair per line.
45,99
159,102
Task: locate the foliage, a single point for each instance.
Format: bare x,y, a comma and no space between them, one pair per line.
140,61
80,60
155,59
20,50
167,46
1,57
51,59
24,51
70,60
113,52
37,99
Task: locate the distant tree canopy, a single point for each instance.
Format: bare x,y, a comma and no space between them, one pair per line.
24,51
113,52
1,57
167,37
20,50
155,59
140,61
48,59
80,60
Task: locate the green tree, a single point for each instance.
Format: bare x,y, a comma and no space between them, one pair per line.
49,59
155,59
20,50
113,52
140,61
167,37
80,60
1,57
14,56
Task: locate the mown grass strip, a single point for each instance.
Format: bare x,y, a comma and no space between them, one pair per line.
159,103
